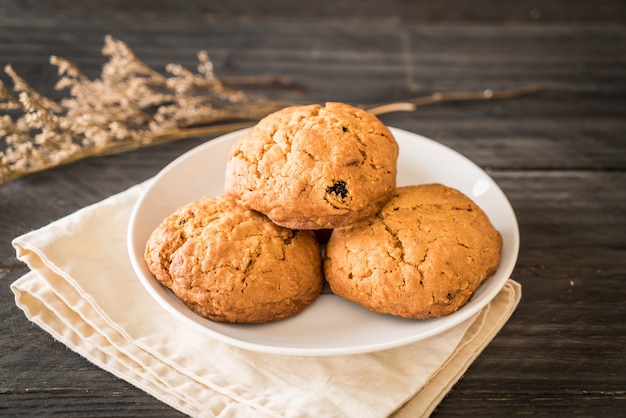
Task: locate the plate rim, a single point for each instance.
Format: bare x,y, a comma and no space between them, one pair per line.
186,315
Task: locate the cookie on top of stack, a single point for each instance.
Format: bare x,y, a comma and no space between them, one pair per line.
250,256
314,167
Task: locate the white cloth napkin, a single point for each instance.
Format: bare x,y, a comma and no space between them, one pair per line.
83,291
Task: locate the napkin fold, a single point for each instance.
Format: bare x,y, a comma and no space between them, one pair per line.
83,291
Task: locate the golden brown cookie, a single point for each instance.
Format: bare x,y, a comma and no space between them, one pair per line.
231,264
314,166
422,256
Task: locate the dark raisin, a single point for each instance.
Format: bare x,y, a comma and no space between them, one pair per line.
343,128
338,188
449,295
183,222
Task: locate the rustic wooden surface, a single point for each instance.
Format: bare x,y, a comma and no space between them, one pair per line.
559,156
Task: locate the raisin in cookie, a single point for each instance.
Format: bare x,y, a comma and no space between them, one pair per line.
314,166
422,256
231,264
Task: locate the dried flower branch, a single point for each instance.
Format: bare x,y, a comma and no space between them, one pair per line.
487,94
131,106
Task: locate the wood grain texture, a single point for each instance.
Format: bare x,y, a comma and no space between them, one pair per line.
560,156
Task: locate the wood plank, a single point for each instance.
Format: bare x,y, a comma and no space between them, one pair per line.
560,157
395,10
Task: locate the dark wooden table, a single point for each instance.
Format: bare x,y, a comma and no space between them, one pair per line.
560,156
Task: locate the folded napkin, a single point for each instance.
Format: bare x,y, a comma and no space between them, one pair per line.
83,291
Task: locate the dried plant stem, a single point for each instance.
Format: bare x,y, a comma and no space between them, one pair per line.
183,133
178,134
487,94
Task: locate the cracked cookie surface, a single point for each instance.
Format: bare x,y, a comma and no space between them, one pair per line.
314,167
231,264
422,256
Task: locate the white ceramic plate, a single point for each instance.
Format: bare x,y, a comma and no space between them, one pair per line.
331,325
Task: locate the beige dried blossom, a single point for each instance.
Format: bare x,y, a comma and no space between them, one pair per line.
131,106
